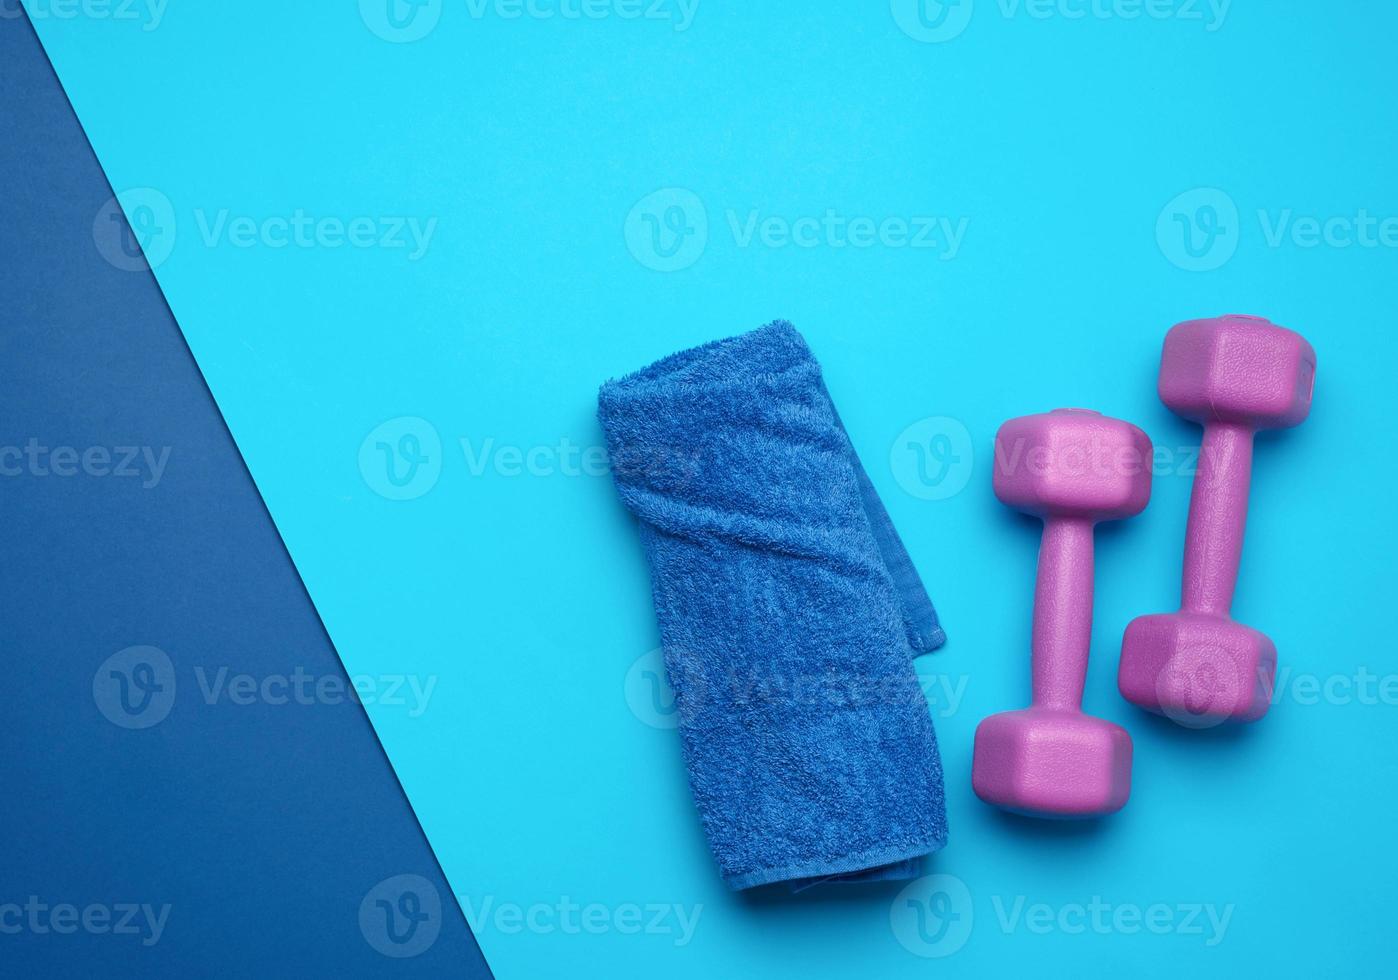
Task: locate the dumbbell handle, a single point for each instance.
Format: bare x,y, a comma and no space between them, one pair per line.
1218,510
1062,613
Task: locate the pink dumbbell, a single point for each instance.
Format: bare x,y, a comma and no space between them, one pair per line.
1072,468
1235,374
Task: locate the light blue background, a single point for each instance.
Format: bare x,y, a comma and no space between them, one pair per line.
1061,141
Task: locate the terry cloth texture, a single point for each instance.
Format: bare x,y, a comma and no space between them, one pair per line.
789,615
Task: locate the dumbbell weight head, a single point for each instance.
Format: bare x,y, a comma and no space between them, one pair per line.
1197,670
1239,369
1072,462
1046,762
1050,760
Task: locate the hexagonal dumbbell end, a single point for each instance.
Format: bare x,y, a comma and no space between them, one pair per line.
1072,468
1044,762
1072,462
1197,670
1239,369
1234,374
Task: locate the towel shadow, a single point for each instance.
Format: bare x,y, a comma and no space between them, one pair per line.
780,895
1053,830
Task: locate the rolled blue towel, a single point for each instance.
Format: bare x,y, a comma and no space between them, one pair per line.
789,615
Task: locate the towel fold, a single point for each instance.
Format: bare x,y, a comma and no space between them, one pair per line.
789,612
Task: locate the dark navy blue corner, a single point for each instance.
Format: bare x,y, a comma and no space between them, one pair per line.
188,790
